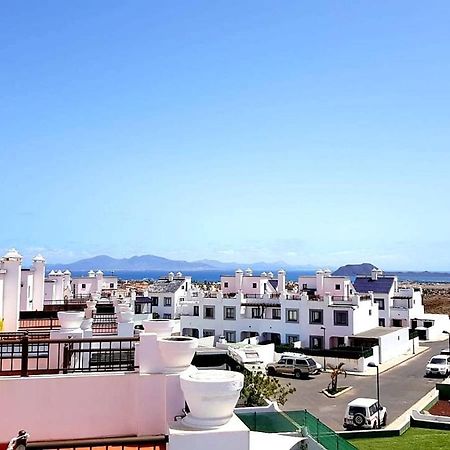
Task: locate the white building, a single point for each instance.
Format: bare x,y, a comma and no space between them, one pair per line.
165,296
401,307
20,289
324,314
93,283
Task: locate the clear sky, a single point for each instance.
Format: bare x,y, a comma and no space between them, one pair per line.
314,132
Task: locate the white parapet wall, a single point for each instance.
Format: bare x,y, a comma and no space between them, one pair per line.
58,407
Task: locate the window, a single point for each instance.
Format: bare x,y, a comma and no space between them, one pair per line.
291,338
167,316
196,310
229,313
316,316
316,342
111,285
292,315
230,336
337,287
225,285
181,299
276,313
208,312
370,312
207,333
83,286
380,302
427,324
254,285
154,301
256,313
304,286
168,301
341,318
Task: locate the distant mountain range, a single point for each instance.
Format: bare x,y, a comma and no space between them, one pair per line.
152,262
158,263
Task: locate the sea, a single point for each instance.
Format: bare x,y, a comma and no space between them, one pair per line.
292,275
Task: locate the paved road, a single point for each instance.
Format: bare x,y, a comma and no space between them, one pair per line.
400,388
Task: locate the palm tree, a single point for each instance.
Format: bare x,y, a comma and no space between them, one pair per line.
336,370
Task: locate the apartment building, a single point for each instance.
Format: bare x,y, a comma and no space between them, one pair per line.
165,296
401,307
325,312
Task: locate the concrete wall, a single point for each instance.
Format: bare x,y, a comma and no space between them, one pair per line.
89,406
394,344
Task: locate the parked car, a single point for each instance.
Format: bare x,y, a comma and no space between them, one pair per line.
295,364
364,413
438,365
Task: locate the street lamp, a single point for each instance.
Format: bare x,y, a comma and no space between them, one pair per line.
324,348
448,332
372,364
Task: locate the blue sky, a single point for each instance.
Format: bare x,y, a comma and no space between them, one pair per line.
310,132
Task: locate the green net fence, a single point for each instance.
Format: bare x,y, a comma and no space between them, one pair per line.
296,421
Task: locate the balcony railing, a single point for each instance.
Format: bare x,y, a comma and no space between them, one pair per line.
157,442
25,356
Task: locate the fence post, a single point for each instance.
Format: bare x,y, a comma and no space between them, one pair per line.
66,358
24,357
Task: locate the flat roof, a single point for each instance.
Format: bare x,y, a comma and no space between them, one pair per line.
377,332
362,401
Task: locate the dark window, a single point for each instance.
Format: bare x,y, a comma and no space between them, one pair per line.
291,338
208,312
168,301
370,312
256,313
337,287
427,324
341,318
254,285
276,313
111,285
316,342
229,313
316,316
196,310
292,315
304,286
380,302
154,301
167,316
83,286
225,284
230,336
207,333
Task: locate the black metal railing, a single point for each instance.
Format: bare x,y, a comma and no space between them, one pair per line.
49,323
339,352
26,356
104,324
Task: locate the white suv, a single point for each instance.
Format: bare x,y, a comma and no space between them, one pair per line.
438,365
365,413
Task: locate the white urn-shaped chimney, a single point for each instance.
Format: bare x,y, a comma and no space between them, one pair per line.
211,396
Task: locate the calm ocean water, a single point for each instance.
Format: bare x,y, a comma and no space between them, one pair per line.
214,275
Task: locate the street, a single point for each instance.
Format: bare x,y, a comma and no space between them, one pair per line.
400,388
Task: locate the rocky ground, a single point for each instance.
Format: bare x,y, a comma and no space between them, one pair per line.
436,298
